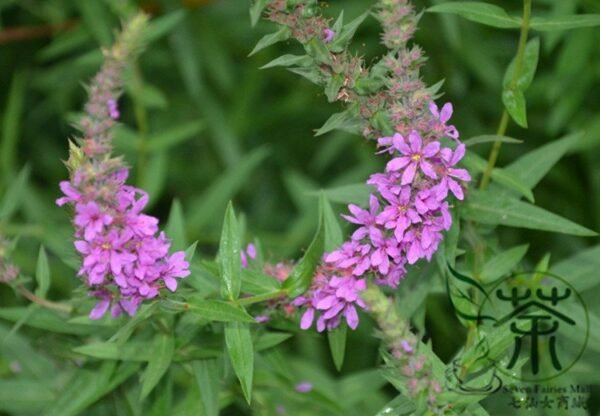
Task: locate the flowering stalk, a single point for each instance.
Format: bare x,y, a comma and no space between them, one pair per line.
410,209
124,260
420,384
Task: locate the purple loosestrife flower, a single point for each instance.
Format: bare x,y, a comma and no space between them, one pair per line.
414,156
125,258
333,295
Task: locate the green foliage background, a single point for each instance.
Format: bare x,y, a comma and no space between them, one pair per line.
203,124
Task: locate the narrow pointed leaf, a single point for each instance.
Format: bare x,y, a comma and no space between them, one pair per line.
488,208
555,23
208,380
229,256
42,274
216,310
484,13
301,276
241,353
502,263
162,355
271,39
337,345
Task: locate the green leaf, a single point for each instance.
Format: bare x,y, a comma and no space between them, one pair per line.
162,355
96,18
502,176
257,283
345,121
484,13
241,354
217,310
301,276
533,166
289,60
333,87
555,23
161,26
229,256
47,320
498,209
333,232
130,351
208,380
14,195
337,345
528,67
514,102
86,387
282,34
175,228
212,202
512,182
348,194
256,10
271,339
318,50
581,269
42,274
400,406
487,138
23,396
502,263
174,136
345,35
11,124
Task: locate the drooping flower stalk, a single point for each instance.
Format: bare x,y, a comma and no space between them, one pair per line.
125,257
409,209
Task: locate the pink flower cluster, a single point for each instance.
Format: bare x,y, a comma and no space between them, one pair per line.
332,295
409,211
119,244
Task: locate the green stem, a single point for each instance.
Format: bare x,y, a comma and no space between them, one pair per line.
261,298
45,303
485,179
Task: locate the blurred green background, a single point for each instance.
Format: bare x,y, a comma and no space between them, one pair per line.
203,124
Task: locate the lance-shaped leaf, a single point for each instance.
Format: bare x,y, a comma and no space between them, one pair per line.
555,23
484,13
217,310
208,380
502,263
239,347
229,256
162,355
271,39
502,209
301,276
256,10
42,274
345,34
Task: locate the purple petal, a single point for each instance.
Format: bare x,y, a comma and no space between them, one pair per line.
428,169
446,112
415,142
397,163
431,149
409,174
100,309
351,316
